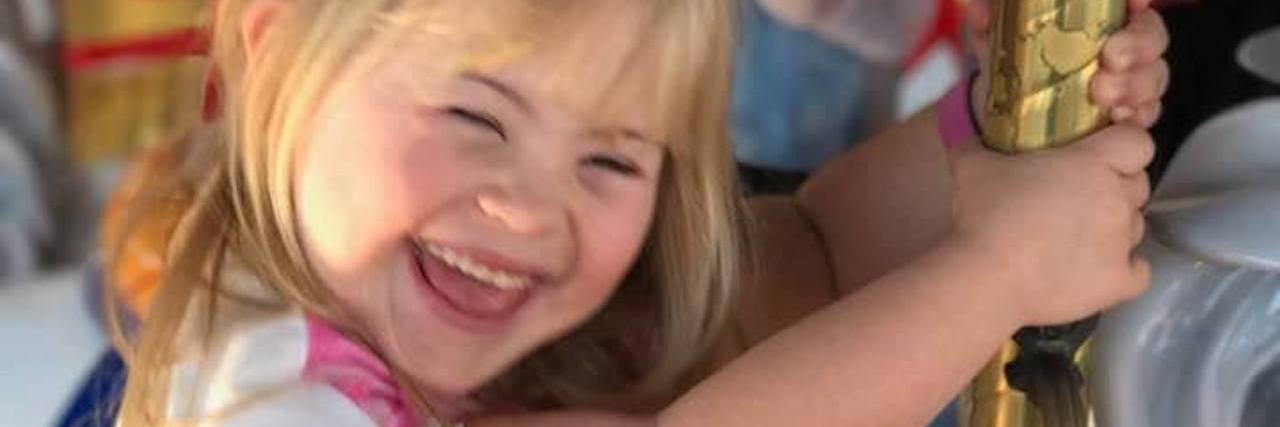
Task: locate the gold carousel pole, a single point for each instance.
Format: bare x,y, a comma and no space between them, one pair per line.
1043,55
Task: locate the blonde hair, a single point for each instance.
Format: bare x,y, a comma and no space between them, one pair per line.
240,198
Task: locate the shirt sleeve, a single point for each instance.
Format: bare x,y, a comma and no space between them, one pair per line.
311,405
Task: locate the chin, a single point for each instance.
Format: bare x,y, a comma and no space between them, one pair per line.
450,370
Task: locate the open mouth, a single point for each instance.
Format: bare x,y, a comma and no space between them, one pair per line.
470,293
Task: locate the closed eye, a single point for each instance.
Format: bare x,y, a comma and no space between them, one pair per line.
479,119
613,164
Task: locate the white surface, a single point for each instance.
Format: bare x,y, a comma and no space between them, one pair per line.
1237,149
1202,348
928,82
880,30
24,222
27,102
40,19
49,344
1261,54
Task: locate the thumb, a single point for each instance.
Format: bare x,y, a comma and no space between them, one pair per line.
1125,149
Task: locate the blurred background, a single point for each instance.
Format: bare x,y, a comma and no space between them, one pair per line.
87,86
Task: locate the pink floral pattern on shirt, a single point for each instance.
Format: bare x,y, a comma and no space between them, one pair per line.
363,378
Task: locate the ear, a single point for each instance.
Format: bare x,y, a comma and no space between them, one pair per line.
258,18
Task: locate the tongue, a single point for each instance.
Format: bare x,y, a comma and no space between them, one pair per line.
468,295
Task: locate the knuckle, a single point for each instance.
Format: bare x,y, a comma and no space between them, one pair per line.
1142,276
1138,143
1138,228
1144,195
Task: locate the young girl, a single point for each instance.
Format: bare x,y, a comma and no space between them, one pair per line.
508,212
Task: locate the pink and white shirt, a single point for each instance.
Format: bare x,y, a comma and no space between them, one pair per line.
272,367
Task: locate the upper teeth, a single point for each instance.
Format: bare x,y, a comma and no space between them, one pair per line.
498,279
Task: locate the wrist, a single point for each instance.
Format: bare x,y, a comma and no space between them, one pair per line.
988,276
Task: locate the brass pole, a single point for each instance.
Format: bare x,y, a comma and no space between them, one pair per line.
1044,53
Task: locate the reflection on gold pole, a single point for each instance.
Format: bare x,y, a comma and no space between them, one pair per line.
1044,53
991,401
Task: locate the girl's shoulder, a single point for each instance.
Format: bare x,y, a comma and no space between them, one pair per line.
255,372
255,366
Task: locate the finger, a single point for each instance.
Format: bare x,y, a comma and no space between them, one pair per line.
1124,148
1137,189
1139,5
1144,84
1143,40
1139,277
1147,115
1138,229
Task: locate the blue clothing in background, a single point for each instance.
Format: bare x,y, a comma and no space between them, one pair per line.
97,400
798,100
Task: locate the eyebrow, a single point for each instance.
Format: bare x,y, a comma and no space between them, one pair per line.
502,89
514,96
625,133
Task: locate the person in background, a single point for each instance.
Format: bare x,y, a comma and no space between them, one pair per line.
813,77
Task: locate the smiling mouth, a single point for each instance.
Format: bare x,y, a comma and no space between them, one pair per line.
477,271
470,293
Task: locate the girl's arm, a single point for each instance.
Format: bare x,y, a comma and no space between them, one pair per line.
885,202
890,198
890,354
1038,239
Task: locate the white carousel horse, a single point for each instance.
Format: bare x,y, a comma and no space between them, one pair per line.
1202,349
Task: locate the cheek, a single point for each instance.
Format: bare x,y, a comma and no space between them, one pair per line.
361,188
611,244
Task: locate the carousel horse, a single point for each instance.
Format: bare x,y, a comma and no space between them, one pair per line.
1202,349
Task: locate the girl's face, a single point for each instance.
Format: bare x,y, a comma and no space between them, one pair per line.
468,227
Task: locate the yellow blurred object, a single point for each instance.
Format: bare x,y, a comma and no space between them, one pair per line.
1043,56
115,19
991,401
123,89
114,112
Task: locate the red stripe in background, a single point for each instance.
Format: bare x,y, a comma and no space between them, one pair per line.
947,26
176,44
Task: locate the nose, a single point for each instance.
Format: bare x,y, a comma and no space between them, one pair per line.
520,210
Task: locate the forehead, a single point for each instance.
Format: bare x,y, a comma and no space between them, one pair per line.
595,64
594,58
